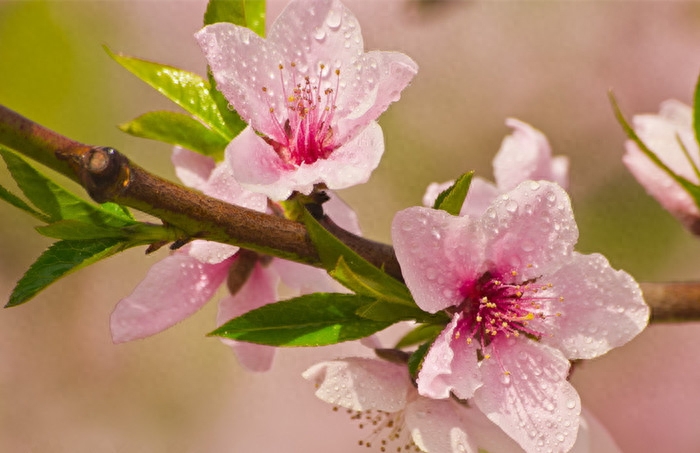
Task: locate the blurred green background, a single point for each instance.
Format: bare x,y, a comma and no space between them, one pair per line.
65,388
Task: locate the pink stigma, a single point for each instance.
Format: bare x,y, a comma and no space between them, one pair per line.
306,125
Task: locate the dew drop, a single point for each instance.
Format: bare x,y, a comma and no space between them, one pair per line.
571,404
320,34
511,206
534,185
334,19
505,379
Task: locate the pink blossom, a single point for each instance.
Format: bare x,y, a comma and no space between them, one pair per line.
381,399
523,304
524,155
310,95
180,284
663,134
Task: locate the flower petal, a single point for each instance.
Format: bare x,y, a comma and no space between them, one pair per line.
376,80
223,185
314,32
342,214
305,279
192,168
525,155
243,64
437,253
361,384
258,168
437,427
530,229
260,289
534,404
450,366
593,437
601,308
173,289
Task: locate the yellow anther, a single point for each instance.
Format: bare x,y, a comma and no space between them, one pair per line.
469,340
513,273
457,335
487,356
281,66
479,318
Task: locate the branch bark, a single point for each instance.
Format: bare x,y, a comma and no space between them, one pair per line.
108,175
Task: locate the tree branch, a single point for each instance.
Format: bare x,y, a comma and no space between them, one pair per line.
108,175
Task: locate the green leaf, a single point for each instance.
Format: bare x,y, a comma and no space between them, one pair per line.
688,186
54,201
353,271
386,311
178,129
423,332
311,320
77,230
117,210
234,122
452,199
17,202
246,13
415,362
61,259
186,89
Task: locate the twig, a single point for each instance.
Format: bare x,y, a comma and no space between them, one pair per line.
108,175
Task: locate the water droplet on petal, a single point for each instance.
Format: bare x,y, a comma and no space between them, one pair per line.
334,19
320,34
534,185
511,206
571,404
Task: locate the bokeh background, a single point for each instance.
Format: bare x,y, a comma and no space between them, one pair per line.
64,387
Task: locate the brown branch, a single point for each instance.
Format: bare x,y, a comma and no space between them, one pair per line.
108,175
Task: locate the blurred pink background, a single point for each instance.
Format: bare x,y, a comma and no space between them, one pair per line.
64,387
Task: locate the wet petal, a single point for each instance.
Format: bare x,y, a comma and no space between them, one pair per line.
601,309
450,366
361,384
192,168
259,290
173,289
534,403
437,427
437,253
243,64
530,229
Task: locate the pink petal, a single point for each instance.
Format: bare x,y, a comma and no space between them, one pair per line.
312,32
211,252
192,168
601,308
436,426
361,384
256,166
481,195
450,366
534,404
530,229
242,64
223,185
524,155
173,289
259,290
305,279
437,253
376,80
341,214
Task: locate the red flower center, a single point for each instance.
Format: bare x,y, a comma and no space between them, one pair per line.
306,124
501,306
